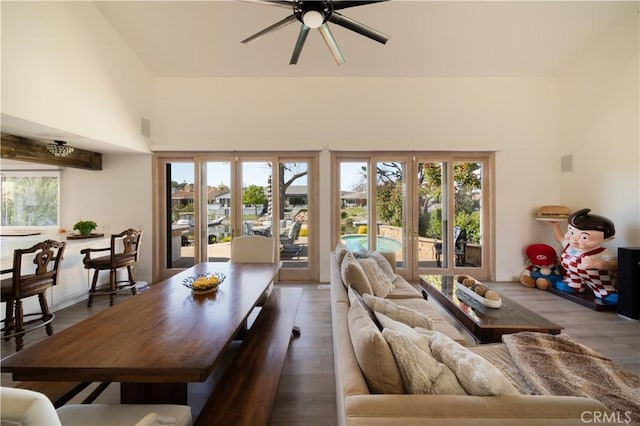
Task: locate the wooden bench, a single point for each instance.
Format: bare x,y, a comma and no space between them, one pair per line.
247,389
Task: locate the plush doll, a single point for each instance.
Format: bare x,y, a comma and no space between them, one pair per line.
542,270
585,261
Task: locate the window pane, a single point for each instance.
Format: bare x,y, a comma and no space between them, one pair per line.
468,200
294,217
218,211
432,241
353,210
180,244
30,199
391,208
256,184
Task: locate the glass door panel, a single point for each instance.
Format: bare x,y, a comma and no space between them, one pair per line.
180,196
217,210
354,194
430,210
293,218
391,219
468,208
256,198
210,198
432,207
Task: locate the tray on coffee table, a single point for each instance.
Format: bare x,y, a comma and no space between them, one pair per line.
486,324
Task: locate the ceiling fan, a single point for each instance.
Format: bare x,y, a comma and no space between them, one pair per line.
317,14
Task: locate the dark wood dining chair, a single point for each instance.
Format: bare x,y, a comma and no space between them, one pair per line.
121,253
47,258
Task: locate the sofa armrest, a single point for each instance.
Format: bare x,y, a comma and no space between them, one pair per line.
464,410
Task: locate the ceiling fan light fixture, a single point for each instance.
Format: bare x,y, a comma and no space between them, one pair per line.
313,18
59,148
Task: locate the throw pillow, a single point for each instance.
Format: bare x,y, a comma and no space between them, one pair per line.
420,372
384,264
476,375
354,297
400,313
381,285
353,275
373,353
419,336
341,251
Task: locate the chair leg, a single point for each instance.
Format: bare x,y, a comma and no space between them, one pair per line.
46,315
19,320
132,281
9,322
112,286
92,290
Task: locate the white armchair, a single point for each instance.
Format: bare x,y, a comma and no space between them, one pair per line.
29,408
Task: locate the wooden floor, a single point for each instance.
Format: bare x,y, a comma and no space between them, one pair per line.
307,389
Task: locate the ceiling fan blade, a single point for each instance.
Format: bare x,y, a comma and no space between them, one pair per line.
337,5
356,26
302,37
331,42
280,24
280,3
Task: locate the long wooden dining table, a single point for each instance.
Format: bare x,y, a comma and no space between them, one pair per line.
154,344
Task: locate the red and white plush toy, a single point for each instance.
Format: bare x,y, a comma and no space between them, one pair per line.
542,270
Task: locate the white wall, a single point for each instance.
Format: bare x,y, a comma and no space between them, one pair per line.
116,198
65,67
518,118
600,128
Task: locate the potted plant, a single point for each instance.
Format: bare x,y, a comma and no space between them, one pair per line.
85,227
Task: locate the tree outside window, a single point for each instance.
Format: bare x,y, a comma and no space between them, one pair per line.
30,199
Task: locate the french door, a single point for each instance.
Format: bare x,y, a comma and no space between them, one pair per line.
211,198
432,209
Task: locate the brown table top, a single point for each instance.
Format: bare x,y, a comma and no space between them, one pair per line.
162,335
487,324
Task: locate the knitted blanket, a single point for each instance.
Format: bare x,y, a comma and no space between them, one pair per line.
557,365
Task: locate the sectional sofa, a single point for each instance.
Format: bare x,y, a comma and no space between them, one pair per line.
367,373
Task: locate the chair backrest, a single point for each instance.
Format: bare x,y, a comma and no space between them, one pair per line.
26,407
252,249
294,231
127,242
47,258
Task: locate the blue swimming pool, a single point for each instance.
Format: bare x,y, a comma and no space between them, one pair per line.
356,242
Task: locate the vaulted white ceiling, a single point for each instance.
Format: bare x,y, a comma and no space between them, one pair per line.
427,38
179,38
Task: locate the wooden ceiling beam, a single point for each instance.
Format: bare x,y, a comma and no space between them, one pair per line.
24,149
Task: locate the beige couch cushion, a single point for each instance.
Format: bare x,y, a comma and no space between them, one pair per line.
498,355
477,375
439,323
383,263
411,317
403,290
353,275
421,372
373,353
381,285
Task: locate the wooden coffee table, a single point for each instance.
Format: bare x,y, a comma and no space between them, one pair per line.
486,324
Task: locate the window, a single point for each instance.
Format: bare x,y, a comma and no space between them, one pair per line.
30,198
432,209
